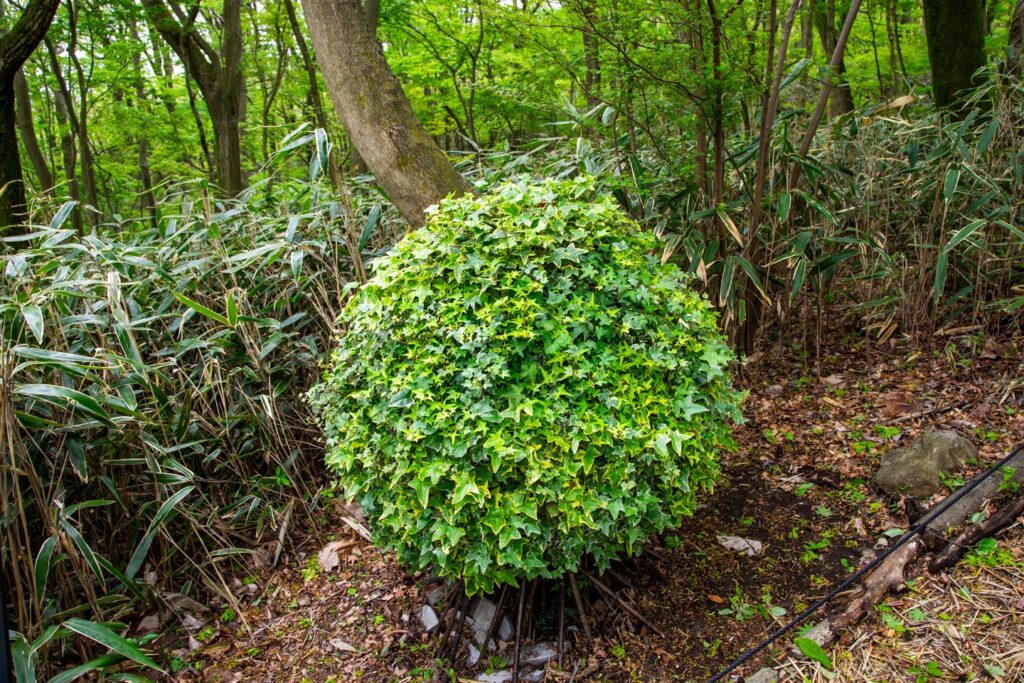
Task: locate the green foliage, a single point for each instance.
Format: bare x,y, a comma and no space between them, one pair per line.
153,380
522,384
813,651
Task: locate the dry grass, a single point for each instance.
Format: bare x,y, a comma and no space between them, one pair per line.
968,622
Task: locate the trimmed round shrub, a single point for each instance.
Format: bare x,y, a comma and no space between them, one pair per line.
522,384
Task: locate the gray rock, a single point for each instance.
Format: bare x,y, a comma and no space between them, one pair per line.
765,675
537,654
505,629
917,470
437,595
820,633
474,656
483,612
429,618
505,675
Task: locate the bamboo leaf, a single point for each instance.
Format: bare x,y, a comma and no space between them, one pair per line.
143,548
201,309
940,275
101,662
42,565
33,316
785,202
950,184
962,234
63,396
730,226
107,638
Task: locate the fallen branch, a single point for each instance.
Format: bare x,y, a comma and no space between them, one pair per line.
941,410
892,571
956,548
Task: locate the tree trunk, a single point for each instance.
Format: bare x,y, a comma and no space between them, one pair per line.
219,77
841,101
591,57
15,48
408,164
307,62
955,30
1015,54
27,131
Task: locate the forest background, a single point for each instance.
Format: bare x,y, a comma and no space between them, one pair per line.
194,213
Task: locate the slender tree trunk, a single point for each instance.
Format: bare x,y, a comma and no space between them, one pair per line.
819,111
142,144
717,123
955,30
841,101
408,164
874,52
68,155
218,74
1015,65
27,131
315,101
770,104
82,155
15,48
591,57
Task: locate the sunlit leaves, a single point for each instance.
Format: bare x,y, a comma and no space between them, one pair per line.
522,384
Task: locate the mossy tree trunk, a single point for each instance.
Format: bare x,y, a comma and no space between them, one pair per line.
956,46
395,146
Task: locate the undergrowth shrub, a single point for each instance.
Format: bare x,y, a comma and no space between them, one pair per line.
522,385
152,415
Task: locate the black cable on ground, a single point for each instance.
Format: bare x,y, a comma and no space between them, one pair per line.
921,525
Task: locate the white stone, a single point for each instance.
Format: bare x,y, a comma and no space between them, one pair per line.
429,618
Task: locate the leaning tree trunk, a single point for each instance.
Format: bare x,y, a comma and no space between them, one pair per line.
1015,55
956,47
27,131
15,47
409,166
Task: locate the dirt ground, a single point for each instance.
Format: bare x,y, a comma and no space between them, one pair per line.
800,485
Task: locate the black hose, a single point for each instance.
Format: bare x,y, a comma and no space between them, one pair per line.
853,578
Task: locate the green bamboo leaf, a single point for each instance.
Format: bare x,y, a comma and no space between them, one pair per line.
42,565
24,659
143,548
33,316
817,206
104,636
987,136
62,214
101,662
63,396
813,651
799,273
83,547
785,202
370,226
201,309
940,275
950,184
962,234
232,309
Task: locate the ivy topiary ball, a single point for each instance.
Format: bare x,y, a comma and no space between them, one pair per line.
521,385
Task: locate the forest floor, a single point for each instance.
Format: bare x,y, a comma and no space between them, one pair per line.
800,484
